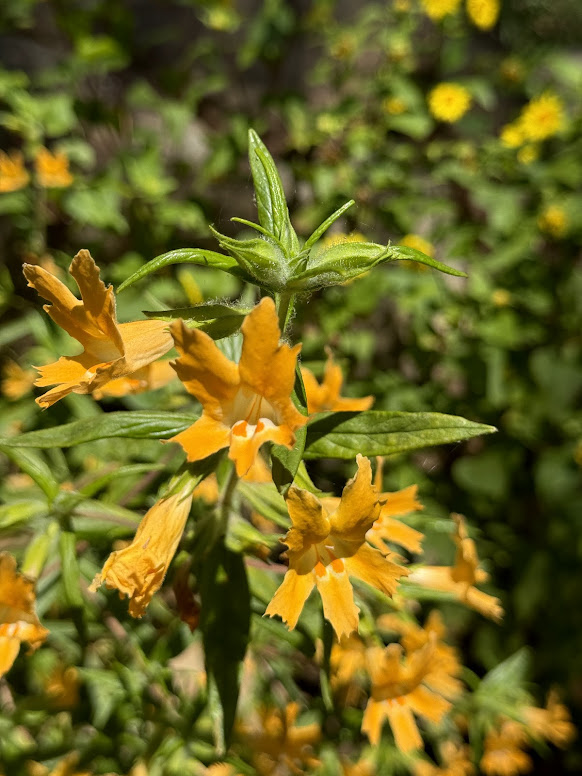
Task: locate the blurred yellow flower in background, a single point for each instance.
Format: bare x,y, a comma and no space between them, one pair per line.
503,750
512,135
438,9
553,221
455,758
52,170
394,105
13,173
326,396
528,153
62,686
483,13
16,381
18,619
542,117
552,723
449,102
418,243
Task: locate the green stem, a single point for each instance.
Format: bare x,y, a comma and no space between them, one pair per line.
226,500
284,301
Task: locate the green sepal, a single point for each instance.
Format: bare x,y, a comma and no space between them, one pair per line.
345,434
323,227
224,622
185,256
217,320
270,197
405,253
260,258
141,424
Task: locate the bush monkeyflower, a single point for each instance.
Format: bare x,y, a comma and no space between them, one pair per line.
542,117
138,570
503,753
52,170
552,723
13,173
455,758
326,396
326,549
18,619
449,102
148,378
461,578
245,404
553,221
483,13
438,9
512,135
111,350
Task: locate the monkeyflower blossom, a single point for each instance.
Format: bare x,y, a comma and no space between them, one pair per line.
326,549
503,753
460,579
13,173
542,117
326,396
483,13
438,9
138,570
244,405
111,350
16,381
52,170
552,723
449,102
455,758
148,378
401,688
18,619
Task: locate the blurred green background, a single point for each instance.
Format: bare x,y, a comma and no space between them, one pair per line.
151,103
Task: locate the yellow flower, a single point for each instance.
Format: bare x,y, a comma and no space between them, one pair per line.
52,170
449,102
148,378
324,397
483,13
362,768
553,221
13,173
244,404
340,238
456,760
501,297
16,381
18,619
138,570
400,689
460,579
111,350
438,9
528,154
542,117
62,686
394,105
503,754
347,660
276,740
418,243
512,135
552,723
326,549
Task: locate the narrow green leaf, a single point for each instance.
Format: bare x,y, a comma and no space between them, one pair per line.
344,434
217,320
224,622
184,256
142,424
70,573
322,228
404,253
271,202
20,512
32,464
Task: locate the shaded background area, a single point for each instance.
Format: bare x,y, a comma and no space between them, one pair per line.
151,103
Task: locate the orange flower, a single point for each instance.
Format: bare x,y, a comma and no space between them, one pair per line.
456,759
16,381
326,396
278,740
111,350
503,754
347,660
13,174
18,619
244,404
400,689
553,722
52,170
139,569
326,549
62,686
148,378
460,579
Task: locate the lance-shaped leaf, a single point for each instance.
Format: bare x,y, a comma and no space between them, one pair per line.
142,424
185,256
344,434
217,320
33,465
271,202
342,262
260,258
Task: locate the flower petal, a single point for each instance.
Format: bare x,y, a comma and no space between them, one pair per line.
203,438
404,728
359,507
426,703
290,597
205,371
372,567
145,342
337,597
9,648
309,522
245,443
391,530
374,717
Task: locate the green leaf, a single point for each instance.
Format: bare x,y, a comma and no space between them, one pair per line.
224,622
20,512
217,320
513,670
184,256
142,424
70,573
285,462
405,253
105,692
271,201
33,465
344,434
322,228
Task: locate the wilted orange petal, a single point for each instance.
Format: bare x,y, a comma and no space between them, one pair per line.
203,438
404,728
290,597
337,597
372,567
